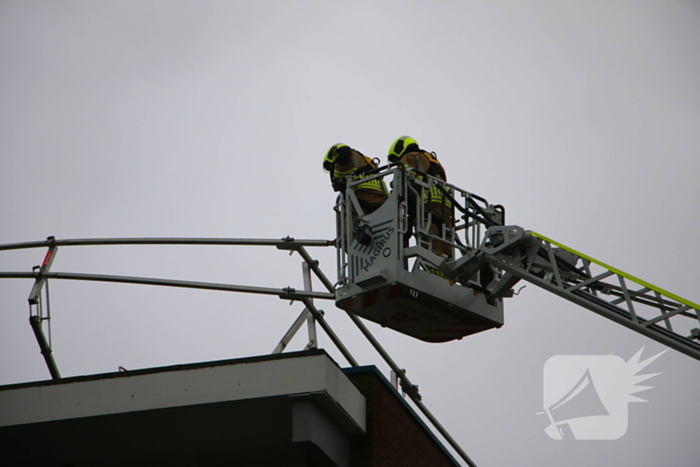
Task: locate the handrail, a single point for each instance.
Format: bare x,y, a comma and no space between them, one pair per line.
281,243
287,293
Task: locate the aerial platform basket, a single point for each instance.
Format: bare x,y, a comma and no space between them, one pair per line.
399,283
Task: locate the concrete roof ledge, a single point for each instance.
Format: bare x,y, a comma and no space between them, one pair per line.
311,374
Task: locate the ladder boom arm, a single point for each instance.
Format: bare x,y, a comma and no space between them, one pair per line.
592,284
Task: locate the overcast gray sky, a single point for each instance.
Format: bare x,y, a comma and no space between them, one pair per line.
210,119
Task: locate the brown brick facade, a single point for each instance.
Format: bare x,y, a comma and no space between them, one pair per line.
395,436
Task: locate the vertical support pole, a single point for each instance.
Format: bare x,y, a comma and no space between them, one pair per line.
348,229
395,380
318,314
310,320
35,294
35,320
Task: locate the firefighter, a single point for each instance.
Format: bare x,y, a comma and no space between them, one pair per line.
341,161
437,206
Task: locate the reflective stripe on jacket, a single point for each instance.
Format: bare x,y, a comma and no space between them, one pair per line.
426,162
435,195
361,163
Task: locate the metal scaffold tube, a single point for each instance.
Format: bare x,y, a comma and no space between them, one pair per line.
287,293
409,388
313,264
35,322
287,241
332,335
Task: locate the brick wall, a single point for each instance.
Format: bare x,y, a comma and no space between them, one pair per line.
395,437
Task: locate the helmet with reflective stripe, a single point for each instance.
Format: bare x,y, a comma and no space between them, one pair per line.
400,147
330,156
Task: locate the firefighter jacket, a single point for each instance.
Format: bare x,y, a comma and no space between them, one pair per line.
357,166
428,163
